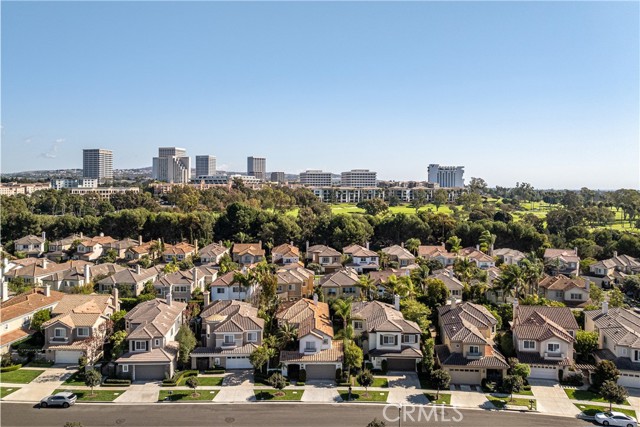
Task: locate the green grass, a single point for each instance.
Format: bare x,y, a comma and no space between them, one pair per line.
6,391
445,398
500,402
364,396
206,381
591,410
278,394
97,396
586,395
186,395
380,382
74,380
21,376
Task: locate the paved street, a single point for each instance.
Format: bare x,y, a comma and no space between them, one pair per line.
265,415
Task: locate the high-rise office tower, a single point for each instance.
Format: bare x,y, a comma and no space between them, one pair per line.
359,178
257,166
277,177
172,165
205,166
446,176
97,163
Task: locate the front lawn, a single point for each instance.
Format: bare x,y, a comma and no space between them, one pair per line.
591,410
364,396
21,376
75,380
380,382
445,399
278,394
204,381
97,396
6,391
586,395
186,395
501,402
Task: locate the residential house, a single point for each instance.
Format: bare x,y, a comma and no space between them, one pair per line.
231,331
130,281
180,284
613,270
151,344
179,252
363,260
387,335
16,314
509,256
455,286
34,272
381,277
58,250
572,291
121,246
618,340
213,253
562,261
224,287
286,253
247,253
482,260
437,253
543,338
294,282
328,258
318,354
468,351
142,249
399,254
340,284
32,246
79,273
91,249
78,327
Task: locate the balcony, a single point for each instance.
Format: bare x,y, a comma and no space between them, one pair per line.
58,340
554,355
473,355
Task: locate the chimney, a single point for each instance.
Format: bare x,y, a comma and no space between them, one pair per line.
307,246
396,302
587,285
367,246
47,290
140,240
81,235
195,277
605,307
101,234
402,245
116,298
45,263
491,250
315,299
195,243
515,307
477,247
615,254
291,243
169,297
260,244
207,297
138,269
5,290
454,302
87,274
575,249
44,235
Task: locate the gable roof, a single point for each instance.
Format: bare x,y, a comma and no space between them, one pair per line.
213,250
464,321
225,280
539,323
508,252
562,283
359,251
285,249
131,276
80,310
254,249
323,250
619,325
475,254
27,302
155,318
449,280
342,278
182,248
308,317
570,255
30,240
379,316
232,316
429,252
398,252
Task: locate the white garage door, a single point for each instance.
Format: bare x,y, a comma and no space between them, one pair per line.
238,362
465,376
630,380
544,372
68,357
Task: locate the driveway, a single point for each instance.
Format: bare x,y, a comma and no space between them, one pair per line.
235,395
321,394
403,380
242,377
140,393
470,399
551,398
50,380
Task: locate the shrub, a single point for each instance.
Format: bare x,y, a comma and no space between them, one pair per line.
277,381
302,376
116,381
10,368
338,375
369,366
574,380
177,377
214,371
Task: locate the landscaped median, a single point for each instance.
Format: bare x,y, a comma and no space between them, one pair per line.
587,395
506,402
96,396
186,395
6,391
443,399
592,410
266,395
20,376
364,396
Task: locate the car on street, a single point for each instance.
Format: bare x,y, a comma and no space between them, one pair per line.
614,418
64,399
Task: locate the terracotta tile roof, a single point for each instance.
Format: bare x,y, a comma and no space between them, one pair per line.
43,268
345,277
475,254
29,240
210,351
464,321
622,363
157,355
225,280
247,248
569,255
446,358
308,317
213,250
334,354
231,315
382,317
285,249
360,251
380,277
142,249
540,322
154,318
322,250
182,248
433,251
80,310
534,358
619,325
562,283
449,280
294,274
398,252
13,336
507,252
28,302
131,276
97,240
404,352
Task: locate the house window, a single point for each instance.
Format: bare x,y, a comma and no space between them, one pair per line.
279,288
529,345
252,337
60,333
325,341
236,289
83,332
576,296
310,346
292,287
636,355
559,294
140,345
229,339
553,347
388,340
125,368
156,342
357,324
474,349
408,339
455,292
220,290
324,260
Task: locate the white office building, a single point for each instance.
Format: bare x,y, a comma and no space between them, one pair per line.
59,184
315,178
205,166
359,178
172,165
446,176
97,163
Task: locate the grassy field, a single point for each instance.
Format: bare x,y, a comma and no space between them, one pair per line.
21,376
97,396
501,402
586,395
185,395
278,394
591,410
380,382
6,391
364,396
444,399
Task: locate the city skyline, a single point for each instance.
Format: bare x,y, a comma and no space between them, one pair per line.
508,90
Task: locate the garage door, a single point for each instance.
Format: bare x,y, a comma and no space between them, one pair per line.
629,380
544,372
68,357
150,372
320,372
238,362
401,364
465,376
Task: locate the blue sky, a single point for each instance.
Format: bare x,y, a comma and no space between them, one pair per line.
540,92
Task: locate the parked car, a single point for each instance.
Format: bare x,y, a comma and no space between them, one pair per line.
615,419
64,399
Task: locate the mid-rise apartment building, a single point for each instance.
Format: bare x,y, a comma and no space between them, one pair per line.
446,176
97,163
359,178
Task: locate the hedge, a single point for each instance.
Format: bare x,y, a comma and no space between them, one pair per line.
10,368
172,382
116,382
214,371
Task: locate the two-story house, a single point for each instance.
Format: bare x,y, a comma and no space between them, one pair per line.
340,284
77,327
294,282
573,292
613,270
213,253
231,331
509,256
363,260
381,277
149,249
16,314
543,337
120,246
399,254
482,260
130,281
468,351
180,284
318,354
32,246
151,347
179,252
618,340
562,261
386,335
247,253
437,253
90,249
58,250
225,287
34,272
285,254
79,273
455,286
326,257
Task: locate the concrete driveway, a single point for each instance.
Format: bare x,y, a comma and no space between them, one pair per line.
241,377
403,380
140,393
50,380
235,395
321,394
551,398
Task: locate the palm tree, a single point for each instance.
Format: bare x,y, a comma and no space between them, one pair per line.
392,284
455,243
366,285
533,269
287,334
412,245
486,241
384,259
512,279
465,268
342,308
407,289
245,280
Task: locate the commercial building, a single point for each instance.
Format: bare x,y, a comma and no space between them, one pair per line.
257,166
59,184
359,178
316,178
97,163
446,176
172,165
277,177
205,166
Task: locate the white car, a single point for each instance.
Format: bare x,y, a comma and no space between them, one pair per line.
615,419
64,399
